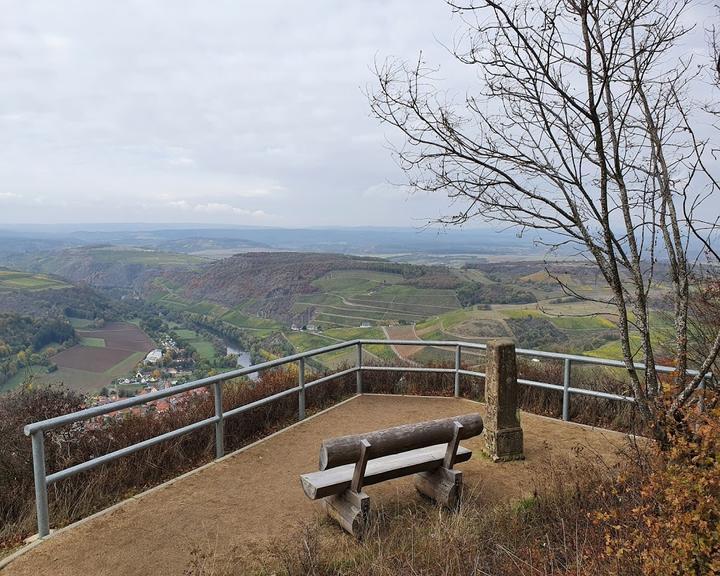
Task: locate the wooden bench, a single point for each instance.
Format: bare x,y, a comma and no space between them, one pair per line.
429,450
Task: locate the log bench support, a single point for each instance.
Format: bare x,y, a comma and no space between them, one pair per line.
351,507
444,485
351,510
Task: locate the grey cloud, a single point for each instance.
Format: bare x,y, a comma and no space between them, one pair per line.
223,111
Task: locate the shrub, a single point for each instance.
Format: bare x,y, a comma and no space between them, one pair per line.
673,527
16,479
583,409
88,492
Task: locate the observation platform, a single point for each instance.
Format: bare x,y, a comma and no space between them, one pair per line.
237,505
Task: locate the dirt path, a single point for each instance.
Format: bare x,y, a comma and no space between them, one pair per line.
238,505
405,353
350,303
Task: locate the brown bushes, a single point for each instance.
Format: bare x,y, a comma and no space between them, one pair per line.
672,526
88,492
583,409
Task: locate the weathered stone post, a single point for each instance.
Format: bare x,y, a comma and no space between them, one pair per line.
503,434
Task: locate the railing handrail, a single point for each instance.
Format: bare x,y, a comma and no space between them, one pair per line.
118,405
36,430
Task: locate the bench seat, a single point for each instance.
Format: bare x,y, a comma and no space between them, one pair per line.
336,480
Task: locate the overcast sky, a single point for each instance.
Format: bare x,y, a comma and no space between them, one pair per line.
234,112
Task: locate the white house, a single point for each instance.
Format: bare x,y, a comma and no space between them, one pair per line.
154,356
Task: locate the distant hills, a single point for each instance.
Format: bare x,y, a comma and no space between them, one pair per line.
227,240
105,266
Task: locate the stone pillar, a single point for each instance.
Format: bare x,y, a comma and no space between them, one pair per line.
503,434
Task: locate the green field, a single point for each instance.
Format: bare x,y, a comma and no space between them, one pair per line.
303,341
582,322
239,319
14,280
85,381
22,375
92,342
347,298
205,348
124,255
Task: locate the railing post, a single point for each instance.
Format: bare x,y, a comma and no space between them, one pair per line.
566,390
457,370
301,393
220,424
358,374
41,497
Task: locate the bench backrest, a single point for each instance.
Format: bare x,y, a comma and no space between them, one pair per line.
347,449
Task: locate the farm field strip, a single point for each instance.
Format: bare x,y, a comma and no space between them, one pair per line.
88,381
303,341
370,309
405,352
88,366
92,342
395,302
351,317
402,308
359,316
369,314
16,280
355,301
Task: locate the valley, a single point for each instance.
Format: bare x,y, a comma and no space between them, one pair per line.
124,300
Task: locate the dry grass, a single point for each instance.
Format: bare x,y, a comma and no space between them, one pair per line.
551,533
654,513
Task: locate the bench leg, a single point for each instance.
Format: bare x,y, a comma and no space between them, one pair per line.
442,485
350,510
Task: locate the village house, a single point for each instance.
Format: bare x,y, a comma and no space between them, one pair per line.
154,356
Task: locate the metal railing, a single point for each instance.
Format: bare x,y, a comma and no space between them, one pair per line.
37,430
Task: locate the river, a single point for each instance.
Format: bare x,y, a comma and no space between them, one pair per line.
243,359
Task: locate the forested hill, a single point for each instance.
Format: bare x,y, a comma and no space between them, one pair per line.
38,295
280,276
106,266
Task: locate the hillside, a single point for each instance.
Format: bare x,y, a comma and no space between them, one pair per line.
39,295
107,266
264,300
271,284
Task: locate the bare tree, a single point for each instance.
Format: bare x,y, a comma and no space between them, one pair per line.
581,130
704,320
